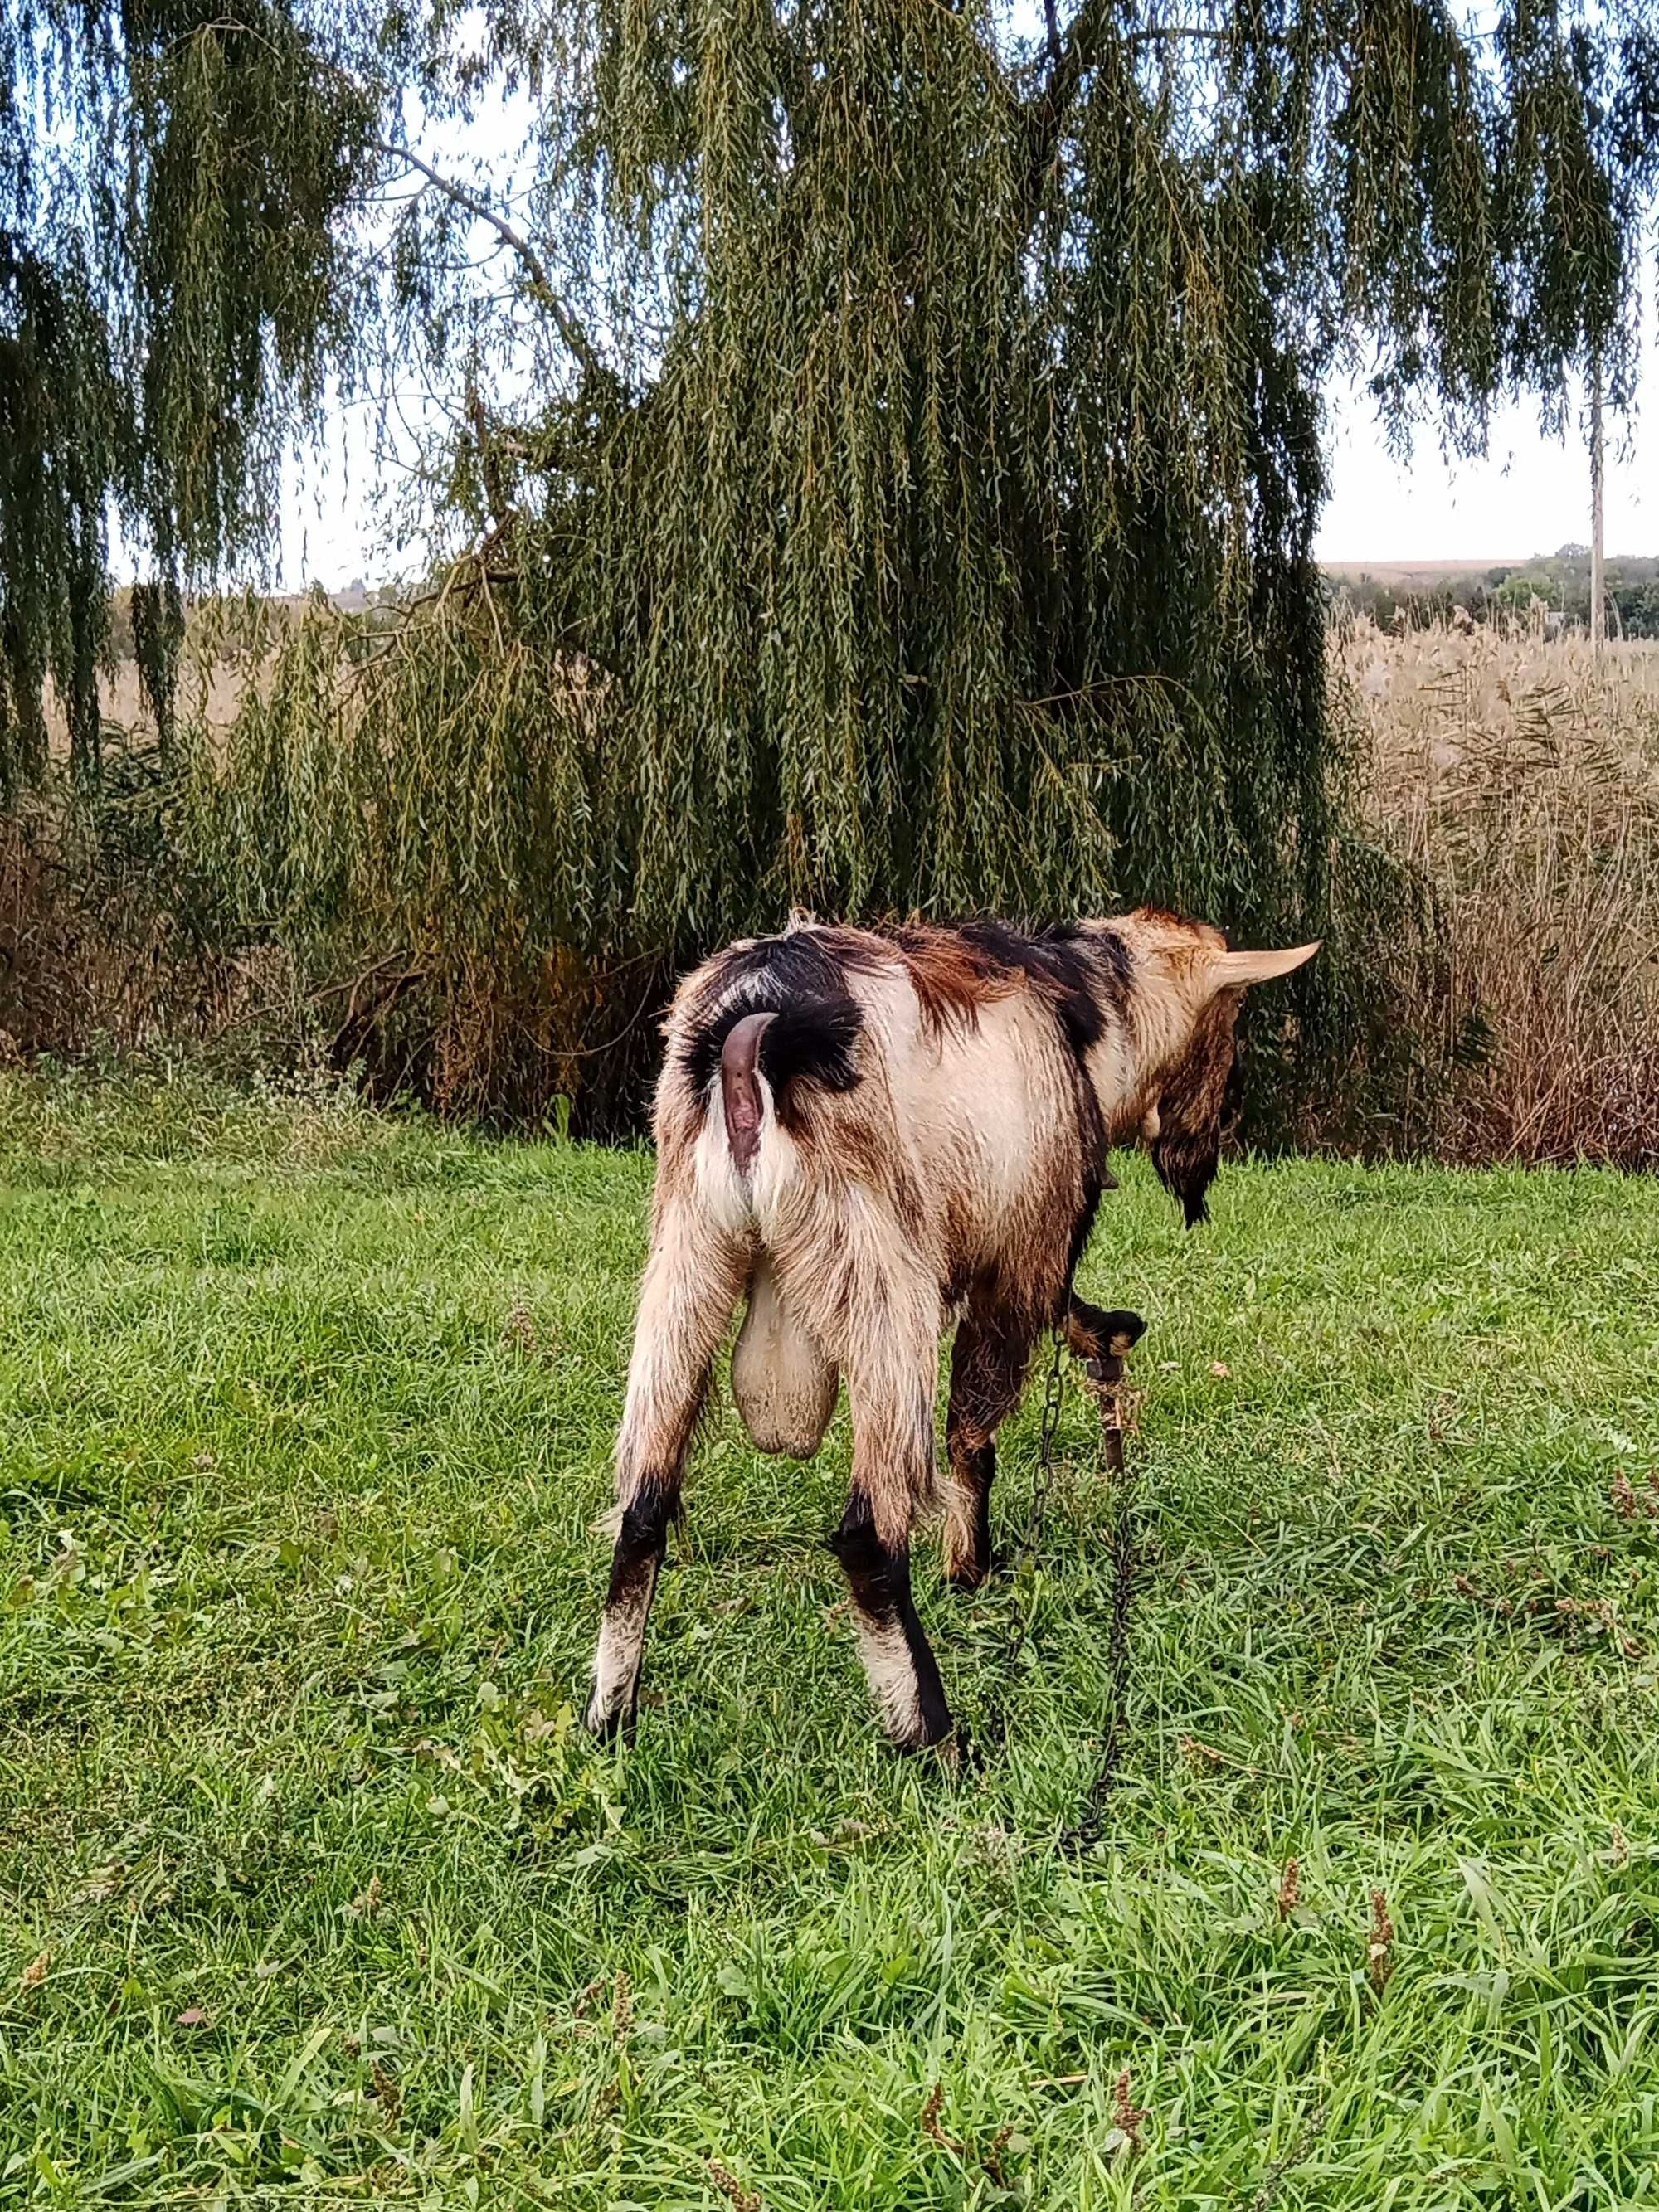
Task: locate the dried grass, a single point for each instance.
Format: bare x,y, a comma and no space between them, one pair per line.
101,950
1521,780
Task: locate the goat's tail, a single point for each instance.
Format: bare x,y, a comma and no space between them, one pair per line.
771,1050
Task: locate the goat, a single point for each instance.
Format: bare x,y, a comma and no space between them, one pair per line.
870,1135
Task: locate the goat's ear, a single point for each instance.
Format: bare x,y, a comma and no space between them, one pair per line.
1233,971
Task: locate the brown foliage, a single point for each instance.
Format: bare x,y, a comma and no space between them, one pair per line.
1519,779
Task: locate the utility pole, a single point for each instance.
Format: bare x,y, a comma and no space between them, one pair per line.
1598,629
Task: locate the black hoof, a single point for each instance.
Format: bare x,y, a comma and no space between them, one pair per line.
611,1727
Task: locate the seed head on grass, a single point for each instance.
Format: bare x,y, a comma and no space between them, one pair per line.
1380,1949
1127,2115
383,2088
991,2161
744,2200
930,2126
1624,1496
1289,1889
622,2009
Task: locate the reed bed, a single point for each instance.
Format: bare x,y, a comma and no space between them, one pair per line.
1520,779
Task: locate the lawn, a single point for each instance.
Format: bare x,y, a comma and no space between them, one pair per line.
311,1891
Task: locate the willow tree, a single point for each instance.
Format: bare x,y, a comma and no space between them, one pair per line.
177,274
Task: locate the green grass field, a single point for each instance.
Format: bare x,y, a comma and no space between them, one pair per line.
312,1892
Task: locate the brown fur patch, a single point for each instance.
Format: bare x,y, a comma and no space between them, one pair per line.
951,978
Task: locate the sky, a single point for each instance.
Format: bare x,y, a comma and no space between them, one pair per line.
1531,494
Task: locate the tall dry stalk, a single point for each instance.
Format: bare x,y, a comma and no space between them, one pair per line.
1521,778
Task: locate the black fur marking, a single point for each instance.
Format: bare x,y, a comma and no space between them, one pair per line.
641,1542
1059,958
1115,1333
806,963
810,1039
879,1581
1186,1168
1232,1097
814,1041
1115,965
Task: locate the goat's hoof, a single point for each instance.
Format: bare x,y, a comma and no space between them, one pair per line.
610,1724
946,1747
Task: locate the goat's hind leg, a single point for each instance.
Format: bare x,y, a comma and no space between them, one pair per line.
878,1318
988,1363
691,1284
898,1660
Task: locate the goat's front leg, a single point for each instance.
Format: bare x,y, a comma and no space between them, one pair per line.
691,1284
891,1381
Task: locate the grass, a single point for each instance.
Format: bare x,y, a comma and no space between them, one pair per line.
311,1892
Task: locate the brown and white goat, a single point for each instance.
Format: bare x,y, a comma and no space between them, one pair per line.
872,1136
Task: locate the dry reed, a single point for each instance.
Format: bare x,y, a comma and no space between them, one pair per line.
1521,780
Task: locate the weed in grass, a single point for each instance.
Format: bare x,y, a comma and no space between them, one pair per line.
1289,1889
1379,1949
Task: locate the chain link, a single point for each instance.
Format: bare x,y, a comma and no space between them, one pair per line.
1053,1394
1103,1379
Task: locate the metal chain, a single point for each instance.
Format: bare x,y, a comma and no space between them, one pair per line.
1103,1379
1054,1393
996,1720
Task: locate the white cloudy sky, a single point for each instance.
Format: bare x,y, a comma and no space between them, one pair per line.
1530,495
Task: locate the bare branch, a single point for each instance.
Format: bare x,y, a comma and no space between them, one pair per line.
1069,63
1221,34
541,283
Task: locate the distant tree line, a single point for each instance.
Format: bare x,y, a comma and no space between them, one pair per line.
1560,579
